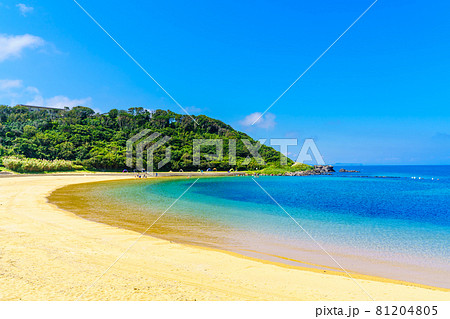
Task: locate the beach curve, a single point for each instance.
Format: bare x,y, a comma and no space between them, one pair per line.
51,254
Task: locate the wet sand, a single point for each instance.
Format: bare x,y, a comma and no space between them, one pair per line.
50,254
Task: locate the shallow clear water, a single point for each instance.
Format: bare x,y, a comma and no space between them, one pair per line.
397,228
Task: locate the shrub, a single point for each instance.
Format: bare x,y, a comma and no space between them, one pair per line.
32,165
275,170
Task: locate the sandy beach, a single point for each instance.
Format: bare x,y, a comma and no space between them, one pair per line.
50,254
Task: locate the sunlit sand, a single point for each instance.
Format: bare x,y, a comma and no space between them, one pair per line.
50,254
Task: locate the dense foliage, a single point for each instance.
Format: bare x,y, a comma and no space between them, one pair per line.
98,141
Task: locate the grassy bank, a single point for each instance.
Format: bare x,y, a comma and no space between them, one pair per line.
32,165
275,170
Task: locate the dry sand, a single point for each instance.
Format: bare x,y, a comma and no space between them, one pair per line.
50,254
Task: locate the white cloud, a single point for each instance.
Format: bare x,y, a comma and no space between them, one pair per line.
17,93
61,101
10,84
13,45
267,121
193,109
32,89
37,100
24,9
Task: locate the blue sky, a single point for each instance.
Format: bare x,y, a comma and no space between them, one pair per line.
380,95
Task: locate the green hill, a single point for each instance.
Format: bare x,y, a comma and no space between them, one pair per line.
98,141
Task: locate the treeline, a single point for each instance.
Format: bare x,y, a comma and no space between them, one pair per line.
98,141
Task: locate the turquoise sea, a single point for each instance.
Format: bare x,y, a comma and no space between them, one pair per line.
381,221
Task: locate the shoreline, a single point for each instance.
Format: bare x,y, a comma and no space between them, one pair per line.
184,226
187,267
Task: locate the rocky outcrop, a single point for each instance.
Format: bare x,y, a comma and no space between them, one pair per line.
318,170
343,170
324,169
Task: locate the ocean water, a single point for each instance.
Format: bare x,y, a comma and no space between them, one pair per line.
380,222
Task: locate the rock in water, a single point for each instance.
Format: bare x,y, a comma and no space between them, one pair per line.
343,170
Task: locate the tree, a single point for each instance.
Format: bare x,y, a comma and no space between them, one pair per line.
98,141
